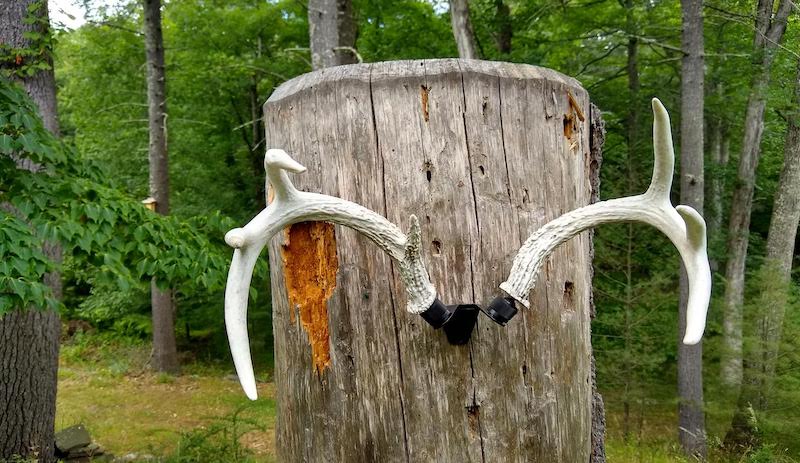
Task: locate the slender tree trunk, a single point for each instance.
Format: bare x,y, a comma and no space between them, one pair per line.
632,67
719,148
785,213
627,334
691,420
165,352
29,336
332,30
503,27
760,360
257,135
768,35
462,29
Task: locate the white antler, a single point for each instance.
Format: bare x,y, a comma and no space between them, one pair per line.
683,226
290,206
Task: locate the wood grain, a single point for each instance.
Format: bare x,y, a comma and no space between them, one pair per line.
478,151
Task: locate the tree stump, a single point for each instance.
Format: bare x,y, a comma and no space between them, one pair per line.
483,153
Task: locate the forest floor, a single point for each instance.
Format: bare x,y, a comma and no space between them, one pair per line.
202,415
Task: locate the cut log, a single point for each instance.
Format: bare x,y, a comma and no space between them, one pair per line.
483,153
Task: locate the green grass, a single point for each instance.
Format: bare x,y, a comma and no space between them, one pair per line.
106,386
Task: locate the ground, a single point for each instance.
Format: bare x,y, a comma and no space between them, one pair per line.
128,409
203,415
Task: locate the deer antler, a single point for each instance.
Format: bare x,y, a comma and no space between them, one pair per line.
290,206
682,224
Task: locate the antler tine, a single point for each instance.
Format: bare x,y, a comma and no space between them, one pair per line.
683,226
290,206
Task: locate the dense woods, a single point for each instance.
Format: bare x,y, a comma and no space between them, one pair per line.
186,79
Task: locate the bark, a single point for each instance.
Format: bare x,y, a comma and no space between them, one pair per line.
632,70
768,35
256,147
761,358
434,138
332,30
462,30
691,420
503,27
165,352
28,375
30,336
597,140
719,154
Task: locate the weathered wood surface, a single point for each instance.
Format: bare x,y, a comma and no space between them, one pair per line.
483,153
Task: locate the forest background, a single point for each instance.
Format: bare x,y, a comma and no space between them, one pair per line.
224,58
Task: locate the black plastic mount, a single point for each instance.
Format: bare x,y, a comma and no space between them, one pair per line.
458,321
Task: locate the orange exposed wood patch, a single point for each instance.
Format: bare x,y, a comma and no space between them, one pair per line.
569,125
571,119
310,265
423,93
574,105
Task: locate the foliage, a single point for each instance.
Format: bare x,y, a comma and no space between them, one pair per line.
219,441
21,62
65,200
384,29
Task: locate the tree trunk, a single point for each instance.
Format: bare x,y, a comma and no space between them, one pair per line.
760,360
632,71
165,352
691,420
464,145
719,154
632,132
332,30
28,375
462,29
768,35
597,140
30,336
504,30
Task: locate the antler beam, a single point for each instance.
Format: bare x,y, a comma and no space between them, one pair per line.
290,206
682,224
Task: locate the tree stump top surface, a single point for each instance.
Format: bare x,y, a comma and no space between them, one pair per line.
387,70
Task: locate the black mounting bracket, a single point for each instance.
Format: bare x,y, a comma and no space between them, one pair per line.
458,321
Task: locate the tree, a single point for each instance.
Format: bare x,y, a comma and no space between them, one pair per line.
462,29
770,24
332,32
691,420
761,358
504,30
30,334
165,352
340,348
